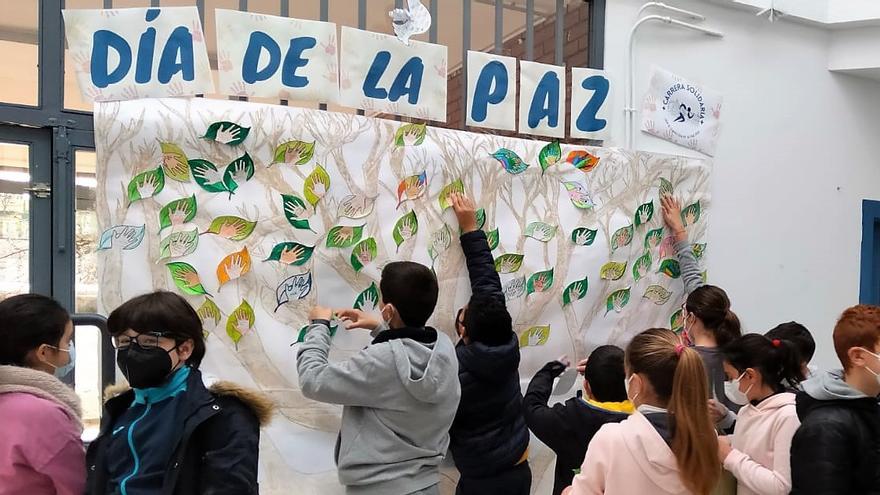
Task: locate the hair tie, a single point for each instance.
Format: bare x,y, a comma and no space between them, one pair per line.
776,342
678,349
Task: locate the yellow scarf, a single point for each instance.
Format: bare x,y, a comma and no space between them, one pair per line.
622,407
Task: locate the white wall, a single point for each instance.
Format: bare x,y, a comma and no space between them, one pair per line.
797,154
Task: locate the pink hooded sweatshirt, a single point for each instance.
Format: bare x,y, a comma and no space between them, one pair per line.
41,452
628,458
761,443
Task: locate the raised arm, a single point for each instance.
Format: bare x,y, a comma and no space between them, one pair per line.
480,263
547,423
690,270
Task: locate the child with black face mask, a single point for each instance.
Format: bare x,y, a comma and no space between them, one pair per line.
170,433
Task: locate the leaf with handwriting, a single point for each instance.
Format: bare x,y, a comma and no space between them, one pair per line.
344,236
186,278
691,214
578,195
508,263
410,135
227,133
540,231
291,253
617,300
405,228
240,322
644,214
510,161
294,153
622,237
368,300
174,162
238,172
209,311
613,270
178,212
293,288
670,268
356,206
539,282
231,227
316,186
642,266
493,238
514,288
207,176
363,254
178,244
233,266
412,187
653,238
146,184
657,294
549,155
583,236
456,187
535,336
575,291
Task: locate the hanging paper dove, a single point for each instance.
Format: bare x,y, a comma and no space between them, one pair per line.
415,19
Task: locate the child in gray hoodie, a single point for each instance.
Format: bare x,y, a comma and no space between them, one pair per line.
400,393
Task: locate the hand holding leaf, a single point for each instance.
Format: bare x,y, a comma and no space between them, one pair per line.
343,235
508,265
574,292
465,212
407,228
240,173
582,237
230,228
319,189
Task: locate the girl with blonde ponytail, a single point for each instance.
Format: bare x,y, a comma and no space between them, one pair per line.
669,444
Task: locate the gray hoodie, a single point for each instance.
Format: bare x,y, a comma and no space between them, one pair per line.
400,395
830,386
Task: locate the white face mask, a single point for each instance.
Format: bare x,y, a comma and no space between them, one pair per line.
626,382
734,394
876,375
385,324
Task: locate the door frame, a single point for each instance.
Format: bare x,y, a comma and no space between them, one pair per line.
869,278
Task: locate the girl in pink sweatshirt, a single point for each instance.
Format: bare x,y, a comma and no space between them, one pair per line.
41,452
668,445
757,454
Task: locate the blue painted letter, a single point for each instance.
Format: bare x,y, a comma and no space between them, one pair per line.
491,88
587,121
179,46
102,41
408,81
374,75
293,60
545,101
259,40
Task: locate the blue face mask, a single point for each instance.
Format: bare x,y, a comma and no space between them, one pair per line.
62,371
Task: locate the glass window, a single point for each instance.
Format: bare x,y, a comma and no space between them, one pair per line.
14,219
86,233
73,99
19,38
87,376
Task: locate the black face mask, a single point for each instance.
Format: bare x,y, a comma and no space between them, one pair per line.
144,368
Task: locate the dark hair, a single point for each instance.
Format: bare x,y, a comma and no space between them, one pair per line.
858,326
28,321
163,312
712,306
488,321
605,374
798,335
777,360
412,289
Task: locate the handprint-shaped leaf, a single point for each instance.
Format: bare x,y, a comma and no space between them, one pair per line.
405,228
622,237
582,160
240,322
514,288
344,236
575,291
233,266
691,214
178,212
493,238
676,321
617,300
209,311
294,153
294,208
613,270
412,187
510,161
186,278
653,238
316,186
356,206
670,268
178,244
174,162
207,176
240,170
143,181
667,247
456,187
227,133
481,218
549,155
410,135
537,335
657,294
291,253
540,231
666,188
698,250
128,236
644,214
363,254
295,287
642,266
368,299
578,195
231,227
508,263
440,241
539,282
583,236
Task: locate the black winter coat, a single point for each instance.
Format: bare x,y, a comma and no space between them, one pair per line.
489,434
217,452
566,428
836,450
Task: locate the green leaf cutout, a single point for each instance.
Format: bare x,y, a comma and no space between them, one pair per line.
178,212
363,254
291,253
344,236
617,300
412,187
676,321
613,270
539,282
356,206
294,210
294,153
240,322
207,176
644,214
493,238
146,184
455,187
691,214
666,188
316,186
653,238
510,161
699,250
238,172
368,300
441,239
481,218
209,311
657,294
514,288
578,195
410,135
186,278
575,291
293,288
228,133
642,266
231,227
405,228
178,244
670,268
540,231
549,155
174,162
583,236
508,263
704,276
622,237
534,336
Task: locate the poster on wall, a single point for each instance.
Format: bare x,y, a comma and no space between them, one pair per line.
305,207
682,112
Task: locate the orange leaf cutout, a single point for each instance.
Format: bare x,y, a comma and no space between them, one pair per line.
234,266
